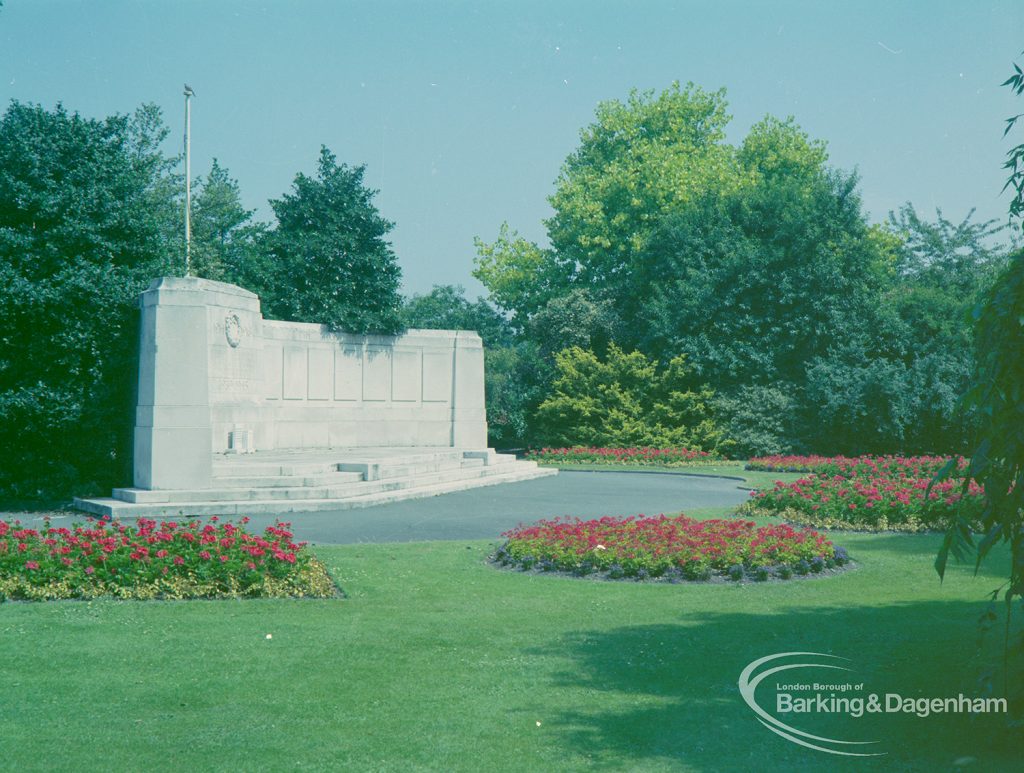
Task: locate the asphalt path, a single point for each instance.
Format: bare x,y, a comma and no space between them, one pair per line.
484,513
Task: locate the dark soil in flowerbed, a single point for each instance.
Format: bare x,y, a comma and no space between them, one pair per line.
675,577
669,549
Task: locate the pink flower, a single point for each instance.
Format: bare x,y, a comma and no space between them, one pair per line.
31,565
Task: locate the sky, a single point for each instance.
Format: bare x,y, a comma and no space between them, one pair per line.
463,112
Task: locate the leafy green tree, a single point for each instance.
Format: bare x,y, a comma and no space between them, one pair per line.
328,260
575,319
759,420
637,161
942,270
625,399
224,237
520,276
997,395
89,215
446,307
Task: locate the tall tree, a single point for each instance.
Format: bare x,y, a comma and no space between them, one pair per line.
998,397
88,217
223,233
329,260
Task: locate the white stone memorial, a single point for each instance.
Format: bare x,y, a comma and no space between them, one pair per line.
220,387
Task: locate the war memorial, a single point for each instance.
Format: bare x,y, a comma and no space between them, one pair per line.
239,414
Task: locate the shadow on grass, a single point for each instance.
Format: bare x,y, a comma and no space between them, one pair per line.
685,710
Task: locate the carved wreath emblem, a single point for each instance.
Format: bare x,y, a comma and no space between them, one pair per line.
233,330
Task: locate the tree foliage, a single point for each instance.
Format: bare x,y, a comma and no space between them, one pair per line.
328,260
88,216
625,399
225,239
997,396
758,263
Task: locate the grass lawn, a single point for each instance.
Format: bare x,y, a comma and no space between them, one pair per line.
752,478
437,661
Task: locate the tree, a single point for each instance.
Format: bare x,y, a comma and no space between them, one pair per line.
637,161
625,399
89,215
997,395
942,270
446,307
328,259
759,420
756,262
224,237
575,319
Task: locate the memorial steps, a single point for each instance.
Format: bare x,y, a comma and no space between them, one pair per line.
294,481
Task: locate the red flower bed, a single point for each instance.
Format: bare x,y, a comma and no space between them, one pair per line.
662,457
874,503
873,493
151,560
676,547
855,466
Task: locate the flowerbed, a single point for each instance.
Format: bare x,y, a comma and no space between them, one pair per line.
856,466
169,560
871,493
661,457
870,503
672,547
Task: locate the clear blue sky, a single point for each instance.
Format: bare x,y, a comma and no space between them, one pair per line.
464,111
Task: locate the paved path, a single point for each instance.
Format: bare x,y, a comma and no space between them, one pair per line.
484,513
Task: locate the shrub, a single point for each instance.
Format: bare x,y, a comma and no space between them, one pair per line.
149,561
625,399
641,547
758,420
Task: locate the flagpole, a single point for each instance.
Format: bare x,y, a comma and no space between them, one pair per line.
188,179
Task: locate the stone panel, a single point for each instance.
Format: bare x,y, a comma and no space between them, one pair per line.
294,372
407,376
437,377
321,374
272,372
348,373
377,374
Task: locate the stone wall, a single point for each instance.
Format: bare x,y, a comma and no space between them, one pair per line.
213,371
